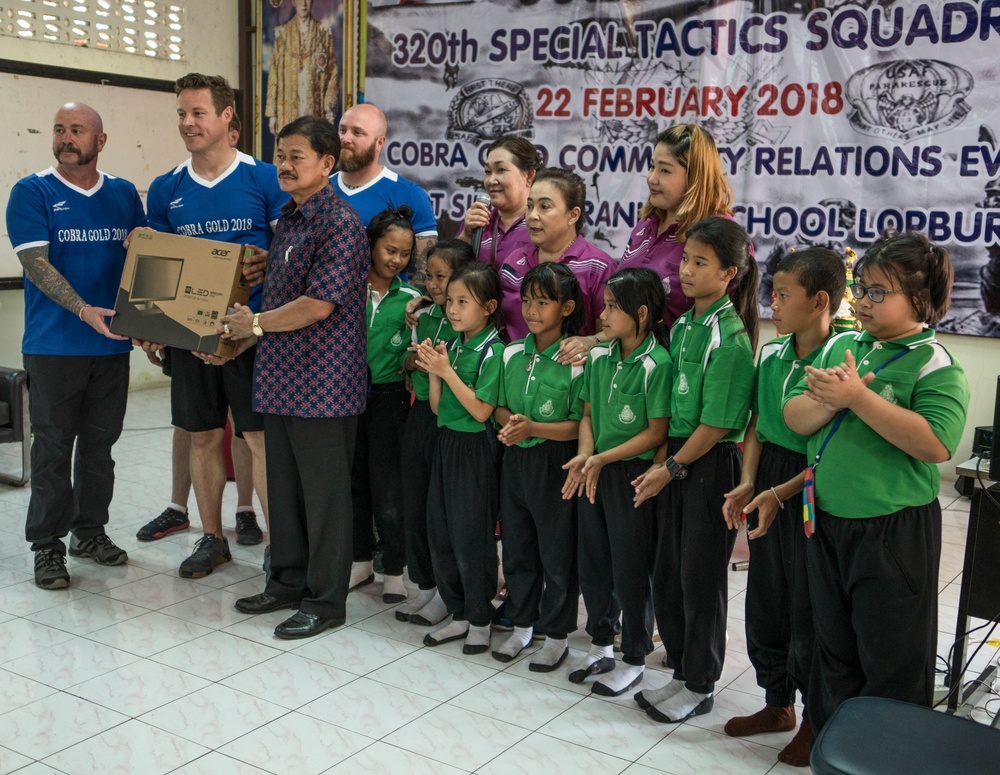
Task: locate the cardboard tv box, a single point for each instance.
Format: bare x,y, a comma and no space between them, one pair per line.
175,290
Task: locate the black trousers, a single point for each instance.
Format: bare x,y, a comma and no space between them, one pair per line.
613,531
539,538
376,477
419,440
873,584
308,487
71,399
780,636
692,565
462,504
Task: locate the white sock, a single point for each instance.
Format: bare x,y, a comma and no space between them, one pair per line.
595,653
656,696
682,703
550,653
479,636
451,630
241,509
177,507
621,677
432,613
418,601
515,643
359,572
392,586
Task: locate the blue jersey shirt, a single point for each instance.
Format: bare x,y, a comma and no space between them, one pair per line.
242,205
84,231
389,189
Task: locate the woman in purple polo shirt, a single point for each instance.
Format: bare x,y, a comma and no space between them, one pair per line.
686,183
555,219
511,164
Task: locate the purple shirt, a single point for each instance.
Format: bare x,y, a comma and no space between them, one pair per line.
661,253
591,265
507,241
319,250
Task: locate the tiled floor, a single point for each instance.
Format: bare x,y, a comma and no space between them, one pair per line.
134,670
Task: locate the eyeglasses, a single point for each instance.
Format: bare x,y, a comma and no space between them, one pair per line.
877,295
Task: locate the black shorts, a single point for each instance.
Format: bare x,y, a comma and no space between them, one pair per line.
200,395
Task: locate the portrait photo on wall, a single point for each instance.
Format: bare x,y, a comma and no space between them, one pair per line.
300,63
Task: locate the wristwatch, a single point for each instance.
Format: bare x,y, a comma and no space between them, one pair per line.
677,470
257,330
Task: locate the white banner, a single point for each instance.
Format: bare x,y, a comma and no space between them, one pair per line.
832,125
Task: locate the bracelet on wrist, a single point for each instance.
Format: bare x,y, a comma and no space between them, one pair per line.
80,313
781,503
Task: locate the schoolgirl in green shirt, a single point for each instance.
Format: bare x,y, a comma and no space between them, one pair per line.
626,391
376,486
882,408
425,608
712,346
539,416
463,494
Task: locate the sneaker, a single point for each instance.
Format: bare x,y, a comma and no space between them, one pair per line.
50,569
208,552
248,533
100,549
170,521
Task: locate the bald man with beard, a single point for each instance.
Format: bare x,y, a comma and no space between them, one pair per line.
68,225
371,188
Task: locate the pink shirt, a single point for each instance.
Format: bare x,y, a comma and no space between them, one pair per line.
591,265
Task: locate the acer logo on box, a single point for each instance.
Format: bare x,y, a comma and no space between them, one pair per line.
221,252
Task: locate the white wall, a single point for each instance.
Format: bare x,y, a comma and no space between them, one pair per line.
212,46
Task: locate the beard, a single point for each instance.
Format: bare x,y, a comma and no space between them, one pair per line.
84,155
357,160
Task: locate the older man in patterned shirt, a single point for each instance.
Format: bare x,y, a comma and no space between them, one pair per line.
310,382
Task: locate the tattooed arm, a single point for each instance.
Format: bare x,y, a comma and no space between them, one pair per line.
418,265
50,281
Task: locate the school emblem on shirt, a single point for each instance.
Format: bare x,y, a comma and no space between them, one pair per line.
682,385
547,409
665,282
627,416
888,394
397,339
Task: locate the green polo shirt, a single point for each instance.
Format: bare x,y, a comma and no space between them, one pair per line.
625,394
387,334
538,386
861,474
713,372
778,371
479,370
431,324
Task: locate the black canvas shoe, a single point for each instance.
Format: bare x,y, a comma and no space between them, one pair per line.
170,521
248,532
208,552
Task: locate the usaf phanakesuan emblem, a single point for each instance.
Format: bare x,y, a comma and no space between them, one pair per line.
547,409
626,416
908,98
682,385
397,339
490,108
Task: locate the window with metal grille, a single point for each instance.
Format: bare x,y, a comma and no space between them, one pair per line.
142,27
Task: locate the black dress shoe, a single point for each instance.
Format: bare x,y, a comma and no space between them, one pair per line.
263,603
303,625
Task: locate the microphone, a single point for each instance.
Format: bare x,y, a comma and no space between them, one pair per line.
477,233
